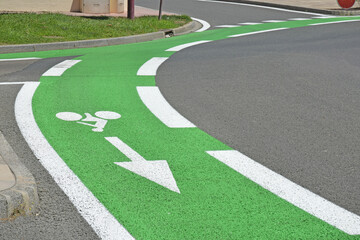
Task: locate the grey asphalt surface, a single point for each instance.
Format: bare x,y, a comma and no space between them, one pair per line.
288,99
56,217
221,13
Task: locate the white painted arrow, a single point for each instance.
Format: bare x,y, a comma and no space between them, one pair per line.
157,171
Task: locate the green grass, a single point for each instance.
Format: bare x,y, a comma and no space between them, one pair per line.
45,28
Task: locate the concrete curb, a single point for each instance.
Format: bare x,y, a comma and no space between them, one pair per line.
22,198
296,8
187,28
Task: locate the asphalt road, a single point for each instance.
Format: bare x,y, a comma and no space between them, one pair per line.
222,13
233,89
288,99
56,217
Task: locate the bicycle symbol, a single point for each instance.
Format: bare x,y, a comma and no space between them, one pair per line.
101,118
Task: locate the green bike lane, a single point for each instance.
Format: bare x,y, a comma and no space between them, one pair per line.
215,202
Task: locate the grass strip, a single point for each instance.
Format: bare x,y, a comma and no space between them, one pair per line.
27,28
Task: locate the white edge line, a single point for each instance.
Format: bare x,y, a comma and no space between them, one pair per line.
325,23
205,24
252,33
289,191
12,83
259,6
150,67
18,59
227,26
250,23
273,21
299,19
186,45
60,68
99,218
157,104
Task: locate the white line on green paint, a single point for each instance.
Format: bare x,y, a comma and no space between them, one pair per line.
157,104
150,67
289,191
60,68
252,33
186,45
98,217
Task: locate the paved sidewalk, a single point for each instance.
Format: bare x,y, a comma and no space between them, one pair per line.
7,179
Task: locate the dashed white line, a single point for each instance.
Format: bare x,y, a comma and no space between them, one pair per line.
325,16
252,33
99,218
325,23
60,68
18,59
186,45
273,21
205,24
249,23
259,6
298,19
227,26
150,67
12,83
157,104
289,191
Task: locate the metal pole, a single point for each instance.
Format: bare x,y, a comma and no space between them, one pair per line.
160,9
131,7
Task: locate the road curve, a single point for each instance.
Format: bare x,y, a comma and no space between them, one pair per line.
289,100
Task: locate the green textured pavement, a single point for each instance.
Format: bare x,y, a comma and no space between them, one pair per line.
215,201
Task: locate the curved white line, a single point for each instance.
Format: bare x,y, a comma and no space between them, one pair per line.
60,68
205,24
157,104
290,191
150,67
99,218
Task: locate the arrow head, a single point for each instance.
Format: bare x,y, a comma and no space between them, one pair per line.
157,171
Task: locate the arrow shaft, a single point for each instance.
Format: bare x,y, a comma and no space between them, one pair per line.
125,149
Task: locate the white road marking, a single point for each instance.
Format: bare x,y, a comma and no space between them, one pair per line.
299,19
157,171
186,45
157,104
12,83
289,191
259,6
98,217
252,33
60,68
205,24
325,23
18,59
150,67
325,16
227,26
273,21
249,23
